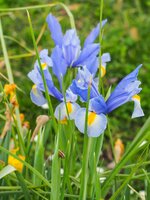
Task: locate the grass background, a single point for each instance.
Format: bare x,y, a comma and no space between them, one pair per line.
125,37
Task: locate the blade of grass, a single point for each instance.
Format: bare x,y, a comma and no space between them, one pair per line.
129,177
51,112
129,152
43,6
55,181
86,150
27,165
23,185
39,158
10,75
18,42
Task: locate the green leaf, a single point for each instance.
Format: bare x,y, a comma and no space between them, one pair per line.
6,170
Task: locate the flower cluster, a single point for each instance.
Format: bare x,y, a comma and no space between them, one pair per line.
67,54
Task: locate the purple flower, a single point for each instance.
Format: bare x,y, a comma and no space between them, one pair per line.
38,89
69,49
127,90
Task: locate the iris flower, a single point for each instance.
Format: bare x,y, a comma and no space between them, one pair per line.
68,48
38,89
127,90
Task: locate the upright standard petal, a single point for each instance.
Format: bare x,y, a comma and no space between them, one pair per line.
55,29
37,96
59,65
128,87
137,112
94,34
96,124
71,47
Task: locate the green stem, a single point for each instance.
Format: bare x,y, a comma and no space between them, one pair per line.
100,41
7,63
43,6
86,151
85,171
42,74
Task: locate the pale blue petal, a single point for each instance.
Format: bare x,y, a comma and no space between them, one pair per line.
137,112
55,29
106,57
35,77
70,96
37,97
98,127
80,119
94,34
61,112
93,130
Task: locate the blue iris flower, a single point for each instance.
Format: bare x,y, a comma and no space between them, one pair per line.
68,48
38,89
127,90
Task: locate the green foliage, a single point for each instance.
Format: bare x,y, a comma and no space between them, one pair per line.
126,38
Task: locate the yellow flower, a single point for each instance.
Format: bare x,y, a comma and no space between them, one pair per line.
9,88
14,162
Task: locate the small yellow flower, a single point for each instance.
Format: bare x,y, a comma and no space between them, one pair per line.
14,162
9,88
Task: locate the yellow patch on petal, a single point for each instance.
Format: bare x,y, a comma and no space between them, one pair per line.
34,89
64,121
69,107
136,97
43,65
14,162
103,71
91,118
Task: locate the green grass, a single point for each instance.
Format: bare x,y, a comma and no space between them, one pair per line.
126,37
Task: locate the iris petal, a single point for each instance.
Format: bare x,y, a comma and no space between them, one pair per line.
55,28
37,96
61,112
59,65
137,112
71,47
96,126
128,87
87,53
94,33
